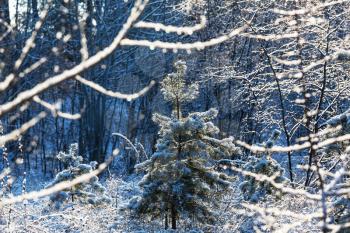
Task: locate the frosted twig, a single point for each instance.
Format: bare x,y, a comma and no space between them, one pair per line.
271,214
4,173
295,147
183,46
338,227
340,54
333,140
84,51
270,37
30,42
67,74
55,109
129,142
118,95
9,29
33,67
15,134
279,186
278,212
256,148
169,28
308,10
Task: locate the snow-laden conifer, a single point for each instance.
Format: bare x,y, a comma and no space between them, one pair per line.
91,192
180,179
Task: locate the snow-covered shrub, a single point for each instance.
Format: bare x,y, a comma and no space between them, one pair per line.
254,190
341,211
334,157
336,126
91,192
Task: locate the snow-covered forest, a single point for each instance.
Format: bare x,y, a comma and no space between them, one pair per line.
174,116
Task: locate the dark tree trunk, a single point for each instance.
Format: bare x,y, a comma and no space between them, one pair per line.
173,216
7,42
166,225
4,10
35,10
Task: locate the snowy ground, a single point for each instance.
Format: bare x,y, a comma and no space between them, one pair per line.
38,216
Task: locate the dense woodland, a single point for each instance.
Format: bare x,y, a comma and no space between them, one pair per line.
174,116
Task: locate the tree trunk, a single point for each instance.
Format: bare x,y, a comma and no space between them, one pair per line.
166,225
35,10
173,216
5,11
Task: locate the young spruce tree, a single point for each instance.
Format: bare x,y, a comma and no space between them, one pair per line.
91,191
180,179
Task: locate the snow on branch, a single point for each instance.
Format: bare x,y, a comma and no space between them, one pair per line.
28,46
183,46
30,42
329,141
9,29
70,73
256,148
5,173
118,95
272,37
280,186
305,11
15,134
129,142
175,29
295,147
55,109
338,55
33,67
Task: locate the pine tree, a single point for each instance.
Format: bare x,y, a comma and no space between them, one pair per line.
180,179
91,192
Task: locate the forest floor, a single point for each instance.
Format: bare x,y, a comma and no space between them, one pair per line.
41,216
